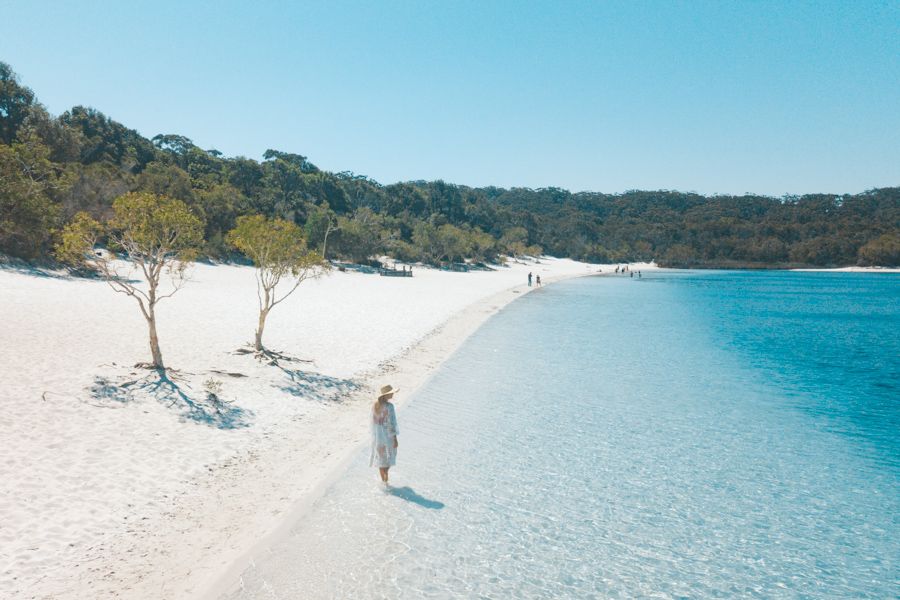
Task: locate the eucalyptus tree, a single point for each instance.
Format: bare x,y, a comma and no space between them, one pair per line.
16,101
156,236
29,185
321,222
278,250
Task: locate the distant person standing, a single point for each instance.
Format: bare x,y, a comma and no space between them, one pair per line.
538,280
384,433
529,278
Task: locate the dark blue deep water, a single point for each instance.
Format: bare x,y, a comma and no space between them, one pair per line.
683,435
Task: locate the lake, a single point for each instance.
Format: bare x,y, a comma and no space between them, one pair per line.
686,434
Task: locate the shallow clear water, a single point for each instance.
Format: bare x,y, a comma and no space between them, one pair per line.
711,434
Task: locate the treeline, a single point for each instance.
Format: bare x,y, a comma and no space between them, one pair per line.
52,168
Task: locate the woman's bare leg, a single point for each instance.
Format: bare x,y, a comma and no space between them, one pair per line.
384,473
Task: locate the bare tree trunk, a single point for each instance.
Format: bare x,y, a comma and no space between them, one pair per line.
259,329
154,342
325,241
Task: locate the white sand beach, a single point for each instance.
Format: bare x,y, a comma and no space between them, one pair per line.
118,487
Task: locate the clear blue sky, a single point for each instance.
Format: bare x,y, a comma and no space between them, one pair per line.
715,97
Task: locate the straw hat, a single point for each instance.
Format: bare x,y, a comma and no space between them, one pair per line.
387,391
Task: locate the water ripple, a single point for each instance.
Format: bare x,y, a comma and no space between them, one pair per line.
714,435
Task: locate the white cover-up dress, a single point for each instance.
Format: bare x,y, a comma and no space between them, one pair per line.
384,428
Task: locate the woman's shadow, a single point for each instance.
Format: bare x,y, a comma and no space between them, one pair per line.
410,495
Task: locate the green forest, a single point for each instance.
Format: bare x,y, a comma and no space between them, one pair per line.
54,167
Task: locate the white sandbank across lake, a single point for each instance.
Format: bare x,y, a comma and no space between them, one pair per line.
852,270
119,486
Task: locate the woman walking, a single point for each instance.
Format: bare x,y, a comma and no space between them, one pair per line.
384,433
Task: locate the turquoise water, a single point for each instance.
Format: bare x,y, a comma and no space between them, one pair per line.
685,435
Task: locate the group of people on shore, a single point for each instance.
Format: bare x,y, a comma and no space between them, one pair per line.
537,280
625,269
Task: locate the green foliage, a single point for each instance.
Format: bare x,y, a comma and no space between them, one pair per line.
77,239
63,142
104,140
360,236
145,226
156,227
177,145
883,251
93,189
455,242
677,255
427,243
293,159
514,240
15,103
220,205
320,224
29,186
433,244
166,180
403,251
53,168
482,247
535,251
273,244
